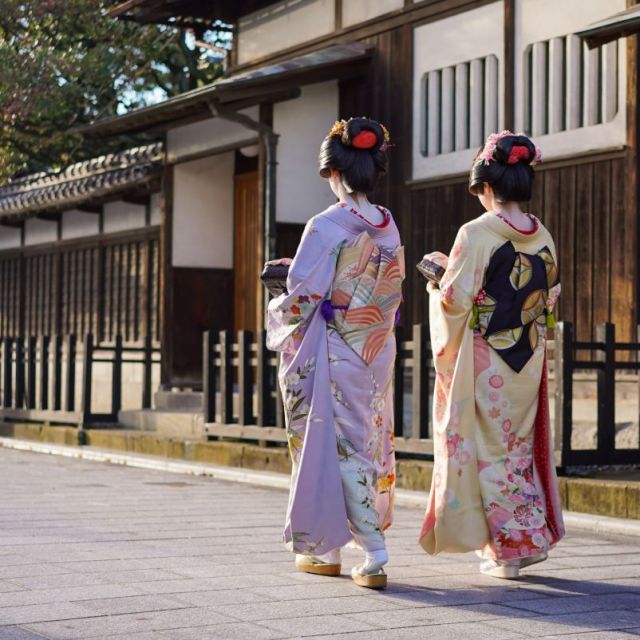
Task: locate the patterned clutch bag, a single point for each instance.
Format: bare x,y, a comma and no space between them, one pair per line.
432,271
274,276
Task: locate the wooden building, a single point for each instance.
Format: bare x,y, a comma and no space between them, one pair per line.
240,179
79,249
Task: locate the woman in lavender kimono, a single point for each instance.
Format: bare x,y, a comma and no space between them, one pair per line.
334,328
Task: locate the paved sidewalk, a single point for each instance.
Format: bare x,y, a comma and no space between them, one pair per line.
89,550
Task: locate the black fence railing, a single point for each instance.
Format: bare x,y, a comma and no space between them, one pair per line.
40,377
242,398
601,357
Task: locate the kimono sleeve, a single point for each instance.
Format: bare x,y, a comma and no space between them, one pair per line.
461,279
309,283
451,305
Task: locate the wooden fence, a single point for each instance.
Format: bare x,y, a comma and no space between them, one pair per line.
242,399
39,377
600,356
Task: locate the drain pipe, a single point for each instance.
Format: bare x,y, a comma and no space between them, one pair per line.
270,140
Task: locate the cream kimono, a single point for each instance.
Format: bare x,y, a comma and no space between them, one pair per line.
334,328
494,486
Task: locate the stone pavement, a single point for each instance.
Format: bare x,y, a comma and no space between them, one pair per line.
89,550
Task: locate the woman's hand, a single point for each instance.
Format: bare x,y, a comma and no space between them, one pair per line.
438,257
279,261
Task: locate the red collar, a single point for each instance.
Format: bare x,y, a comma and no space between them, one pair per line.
382,210
528,232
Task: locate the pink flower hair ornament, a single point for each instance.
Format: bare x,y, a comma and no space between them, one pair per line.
518,152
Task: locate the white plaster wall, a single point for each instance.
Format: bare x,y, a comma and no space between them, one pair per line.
539,20
354,11
203,212
156,211
302,125
208,135
284,25
76,224
473,34
121,216
10,238
38,231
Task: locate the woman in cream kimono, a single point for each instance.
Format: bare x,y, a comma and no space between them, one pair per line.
494,487
334,328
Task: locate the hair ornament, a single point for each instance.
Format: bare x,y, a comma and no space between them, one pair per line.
337,129
518,152
364,140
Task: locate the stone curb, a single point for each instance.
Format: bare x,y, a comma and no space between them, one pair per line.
601,525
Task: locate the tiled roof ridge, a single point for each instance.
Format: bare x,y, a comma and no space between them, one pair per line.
85,168
113,173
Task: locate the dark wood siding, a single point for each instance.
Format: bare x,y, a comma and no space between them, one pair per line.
589,206
102,285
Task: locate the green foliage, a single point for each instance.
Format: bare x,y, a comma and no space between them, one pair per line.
64,63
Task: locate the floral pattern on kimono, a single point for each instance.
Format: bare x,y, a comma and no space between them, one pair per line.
494,486
338,407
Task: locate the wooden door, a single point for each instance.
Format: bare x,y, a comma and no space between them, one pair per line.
247,254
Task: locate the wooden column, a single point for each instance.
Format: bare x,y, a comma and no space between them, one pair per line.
166,275
509,63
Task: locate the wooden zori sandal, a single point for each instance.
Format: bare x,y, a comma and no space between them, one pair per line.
311,564
376,580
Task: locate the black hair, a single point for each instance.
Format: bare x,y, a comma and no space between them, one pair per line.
360,168
510,182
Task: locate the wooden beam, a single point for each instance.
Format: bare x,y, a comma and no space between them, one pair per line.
166,277
50,216
136,199
509,63
13,224
89,208
338,14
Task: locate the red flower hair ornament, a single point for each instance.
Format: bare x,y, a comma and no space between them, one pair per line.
364,140
518,153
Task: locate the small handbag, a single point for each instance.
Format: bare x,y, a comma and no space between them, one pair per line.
274,276
431,270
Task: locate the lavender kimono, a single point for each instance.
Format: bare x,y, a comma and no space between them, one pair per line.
335,331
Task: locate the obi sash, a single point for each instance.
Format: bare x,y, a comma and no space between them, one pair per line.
366,294
514,308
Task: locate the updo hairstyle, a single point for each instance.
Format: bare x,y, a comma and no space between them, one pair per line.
505,164
357,149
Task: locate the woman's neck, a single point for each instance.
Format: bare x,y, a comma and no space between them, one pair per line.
513,213
361,204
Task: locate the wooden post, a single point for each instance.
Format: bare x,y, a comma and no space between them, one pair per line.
70,400
7,370
265,406
87,378
44,372
563,370
245,382
31,372
226,378
280,419
605,333
57,372
116,377
419,383
19,401
208,377
148,372
398,386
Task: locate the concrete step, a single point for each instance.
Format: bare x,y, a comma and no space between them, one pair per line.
165,423
180,401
